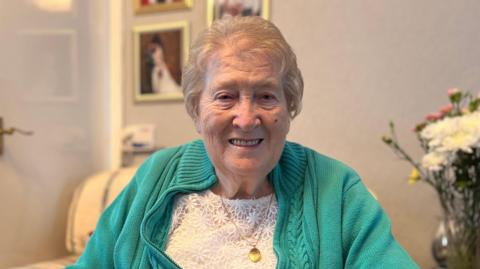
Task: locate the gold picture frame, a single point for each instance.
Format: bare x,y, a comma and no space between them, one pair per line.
144,6
216,9
160,51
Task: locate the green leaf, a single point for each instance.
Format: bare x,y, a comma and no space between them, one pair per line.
456,97
387,140
474,104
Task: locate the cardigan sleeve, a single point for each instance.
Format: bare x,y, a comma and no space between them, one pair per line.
99,252
366,233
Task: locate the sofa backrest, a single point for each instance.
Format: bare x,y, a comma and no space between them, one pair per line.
90,199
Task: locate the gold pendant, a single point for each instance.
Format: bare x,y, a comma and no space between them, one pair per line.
254,255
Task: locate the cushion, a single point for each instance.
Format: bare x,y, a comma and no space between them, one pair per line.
89,201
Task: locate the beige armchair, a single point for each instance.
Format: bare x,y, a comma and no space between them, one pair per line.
90,198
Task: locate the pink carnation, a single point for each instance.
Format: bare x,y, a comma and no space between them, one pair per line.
446,109
434,116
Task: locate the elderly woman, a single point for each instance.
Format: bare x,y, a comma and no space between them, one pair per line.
243,197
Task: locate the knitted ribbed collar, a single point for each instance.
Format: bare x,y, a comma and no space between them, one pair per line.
196,170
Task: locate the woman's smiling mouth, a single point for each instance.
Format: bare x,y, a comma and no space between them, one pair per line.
245,142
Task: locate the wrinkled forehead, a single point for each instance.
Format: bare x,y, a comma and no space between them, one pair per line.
244,52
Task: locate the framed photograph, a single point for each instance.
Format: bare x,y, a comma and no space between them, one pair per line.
160,51
151,6
217,9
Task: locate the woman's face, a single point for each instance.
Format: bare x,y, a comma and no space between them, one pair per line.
243,114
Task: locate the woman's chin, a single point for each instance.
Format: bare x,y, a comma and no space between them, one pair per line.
248,167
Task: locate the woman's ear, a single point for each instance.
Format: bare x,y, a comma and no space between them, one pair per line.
196,121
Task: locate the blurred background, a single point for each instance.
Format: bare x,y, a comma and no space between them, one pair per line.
67,73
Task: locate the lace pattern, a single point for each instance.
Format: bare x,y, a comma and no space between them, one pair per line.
203,236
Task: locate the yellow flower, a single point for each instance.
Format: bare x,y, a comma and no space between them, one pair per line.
414,176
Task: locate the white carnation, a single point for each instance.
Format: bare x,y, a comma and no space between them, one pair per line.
448,136
434,161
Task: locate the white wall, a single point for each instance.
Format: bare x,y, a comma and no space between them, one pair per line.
364,63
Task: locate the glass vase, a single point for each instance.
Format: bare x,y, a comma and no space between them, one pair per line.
460,240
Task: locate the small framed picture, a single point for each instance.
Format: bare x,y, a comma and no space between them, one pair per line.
217,9
160,50
151,6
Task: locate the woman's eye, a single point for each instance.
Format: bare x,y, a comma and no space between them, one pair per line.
224,97
268,98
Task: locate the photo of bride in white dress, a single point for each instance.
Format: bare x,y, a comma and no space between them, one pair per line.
159,53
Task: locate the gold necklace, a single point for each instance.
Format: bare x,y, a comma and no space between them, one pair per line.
254,254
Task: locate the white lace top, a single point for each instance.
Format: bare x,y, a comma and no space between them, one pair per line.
203,236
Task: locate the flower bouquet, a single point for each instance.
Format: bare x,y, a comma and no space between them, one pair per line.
450,139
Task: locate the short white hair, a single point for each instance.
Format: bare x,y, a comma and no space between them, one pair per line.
265,38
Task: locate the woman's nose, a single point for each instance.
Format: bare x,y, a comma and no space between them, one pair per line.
246,117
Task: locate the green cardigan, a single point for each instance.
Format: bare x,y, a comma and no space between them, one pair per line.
327,218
